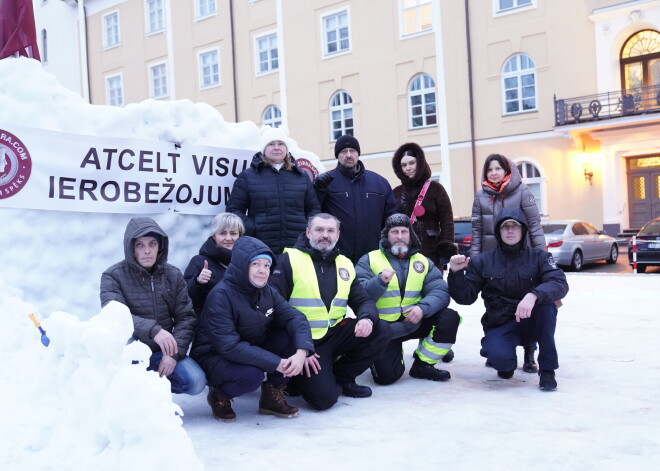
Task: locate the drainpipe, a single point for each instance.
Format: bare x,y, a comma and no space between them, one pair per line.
233,58
441,102
471,96
282,71
84,53
170,51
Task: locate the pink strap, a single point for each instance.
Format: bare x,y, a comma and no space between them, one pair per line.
420,198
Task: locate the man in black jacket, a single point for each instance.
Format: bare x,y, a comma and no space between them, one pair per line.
156,294
519,285
321,283
362,200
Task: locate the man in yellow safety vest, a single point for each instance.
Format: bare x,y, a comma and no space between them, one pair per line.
411,295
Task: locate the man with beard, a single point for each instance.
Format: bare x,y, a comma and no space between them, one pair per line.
321,283
411,295
359,198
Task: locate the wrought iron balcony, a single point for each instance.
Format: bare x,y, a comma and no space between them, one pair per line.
583,109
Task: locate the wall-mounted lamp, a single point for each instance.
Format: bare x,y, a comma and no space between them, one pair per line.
585,159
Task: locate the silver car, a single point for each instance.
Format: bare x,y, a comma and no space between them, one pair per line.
573,243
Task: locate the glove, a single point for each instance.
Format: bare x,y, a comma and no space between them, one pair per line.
322,181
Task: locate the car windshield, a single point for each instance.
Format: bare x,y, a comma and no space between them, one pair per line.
651,229
554,229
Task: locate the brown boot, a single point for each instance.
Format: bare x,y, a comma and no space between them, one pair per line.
220,406
272,402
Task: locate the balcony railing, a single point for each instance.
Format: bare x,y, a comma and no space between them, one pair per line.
633,101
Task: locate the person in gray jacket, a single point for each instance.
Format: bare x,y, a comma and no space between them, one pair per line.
156,294
411,295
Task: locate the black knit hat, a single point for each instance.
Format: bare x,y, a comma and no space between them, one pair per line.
346,142
399,220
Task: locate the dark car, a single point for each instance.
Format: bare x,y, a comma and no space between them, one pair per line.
463,235
648,246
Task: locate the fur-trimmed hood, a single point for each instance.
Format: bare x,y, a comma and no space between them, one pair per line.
423,170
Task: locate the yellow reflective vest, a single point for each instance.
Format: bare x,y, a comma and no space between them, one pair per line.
306,295
391,305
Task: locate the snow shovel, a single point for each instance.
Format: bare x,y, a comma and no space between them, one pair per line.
44,338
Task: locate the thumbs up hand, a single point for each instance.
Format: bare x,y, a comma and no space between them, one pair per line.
205,275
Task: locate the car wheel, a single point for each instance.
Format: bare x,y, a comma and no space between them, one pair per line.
614,254
576,262
641,268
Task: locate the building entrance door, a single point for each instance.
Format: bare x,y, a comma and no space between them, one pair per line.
643,189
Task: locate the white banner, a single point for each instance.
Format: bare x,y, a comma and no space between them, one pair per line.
68,172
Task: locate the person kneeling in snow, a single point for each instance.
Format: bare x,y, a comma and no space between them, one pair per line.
519,285
156,294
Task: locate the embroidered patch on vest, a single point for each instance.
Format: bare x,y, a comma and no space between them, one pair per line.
418,266
532,200
343,274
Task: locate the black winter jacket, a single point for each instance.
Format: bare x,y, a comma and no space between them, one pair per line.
238,316
218,258
504,278
157,298
274,205
362,202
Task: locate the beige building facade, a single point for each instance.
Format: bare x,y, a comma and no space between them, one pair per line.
564,88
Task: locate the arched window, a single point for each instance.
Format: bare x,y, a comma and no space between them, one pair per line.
640,60
272,117
537,184
341,115
421,100
519,84
44,46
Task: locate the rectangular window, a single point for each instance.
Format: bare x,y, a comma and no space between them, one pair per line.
506,5
111,29
158,80
267,56
415,16
336,37
155,16
205,8
114,93
209,69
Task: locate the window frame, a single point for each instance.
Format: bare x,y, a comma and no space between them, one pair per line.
108,90
342,108
273,121
104,25
147,17
257,52
541,181
422,92
519,88
402,20
516,8
198,8
325,54
152,66
200,68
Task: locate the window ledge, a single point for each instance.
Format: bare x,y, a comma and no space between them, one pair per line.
108,48
205,17
335,54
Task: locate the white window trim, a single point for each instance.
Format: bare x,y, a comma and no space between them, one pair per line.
520,98
509,11
146,20
409,105
201,72
107,88
341,108
543,180
106,46
402,27
199,17
258,73
322,17
151,81
263,118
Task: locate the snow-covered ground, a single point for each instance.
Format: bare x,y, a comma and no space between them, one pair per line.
80,403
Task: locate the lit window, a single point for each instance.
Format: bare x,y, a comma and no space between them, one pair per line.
505,5
155,16
111,29
415,16
267,56
341,115
209,69
205,8
421,95
519,84
158,74
114,92
272,117
335,33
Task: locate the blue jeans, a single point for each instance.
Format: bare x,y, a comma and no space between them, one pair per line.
187,377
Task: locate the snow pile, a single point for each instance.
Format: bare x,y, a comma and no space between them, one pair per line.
75,403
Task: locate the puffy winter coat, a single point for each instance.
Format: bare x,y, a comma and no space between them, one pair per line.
505,277
362,202
218,258
157,298
238,316
435,228
488,204
274,205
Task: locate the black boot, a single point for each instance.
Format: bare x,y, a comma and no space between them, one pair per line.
355,390
529,365
449,356
220,406
505,374
422,370
547,381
